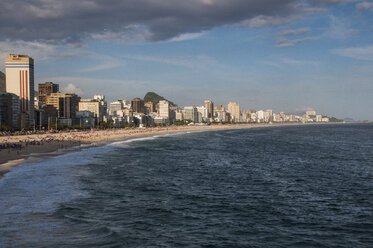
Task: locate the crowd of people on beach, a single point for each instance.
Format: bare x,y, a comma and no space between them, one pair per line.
10,146
22,139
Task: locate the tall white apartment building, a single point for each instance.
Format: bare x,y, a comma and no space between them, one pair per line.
235,110
203,112
19,71
268,115
190,113
209,105
164,109
260,116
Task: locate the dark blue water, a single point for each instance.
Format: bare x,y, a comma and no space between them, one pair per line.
305,186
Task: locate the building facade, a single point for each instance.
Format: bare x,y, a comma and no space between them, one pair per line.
46,89
19,71
66,104
93,106
190,114
9,110
164,109
150,106
209,105
137,105
234,109
116,107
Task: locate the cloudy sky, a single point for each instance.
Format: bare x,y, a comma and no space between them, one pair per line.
288,55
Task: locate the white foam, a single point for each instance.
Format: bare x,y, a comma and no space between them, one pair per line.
40,186
124,143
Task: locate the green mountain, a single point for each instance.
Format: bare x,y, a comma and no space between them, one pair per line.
155,98
2,82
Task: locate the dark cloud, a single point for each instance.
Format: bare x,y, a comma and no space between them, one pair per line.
332,2
71,21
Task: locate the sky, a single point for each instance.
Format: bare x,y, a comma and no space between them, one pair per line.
288,55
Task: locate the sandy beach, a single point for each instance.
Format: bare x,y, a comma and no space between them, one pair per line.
19,149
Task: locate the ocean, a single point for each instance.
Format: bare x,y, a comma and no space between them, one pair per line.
285,186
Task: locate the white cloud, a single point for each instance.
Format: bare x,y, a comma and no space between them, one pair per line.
196,62
164,60
289,43
289,61
360,53
103,61
261,21
331,2
72,88
298,62
339,28
36,50
364,5
132,33
187,36
99,67
295,31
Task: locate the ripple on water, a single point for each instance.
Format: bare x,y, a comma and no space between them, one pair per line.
307,186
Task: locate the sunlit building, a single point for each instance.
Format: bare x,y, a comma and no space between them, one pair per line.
46,89
209,105
234,109
137,105
19,71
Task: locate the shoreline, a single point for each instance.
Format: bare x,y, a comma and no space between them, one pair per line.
41,146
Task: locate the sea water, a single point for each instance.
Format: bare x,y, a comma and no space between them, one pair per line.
288,186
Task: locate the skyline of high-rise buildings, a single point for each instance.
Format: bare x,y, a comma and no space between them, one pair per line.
69,109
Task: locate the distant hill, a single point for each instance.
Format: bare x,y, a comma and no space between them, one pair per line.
333,119
155,98
2,81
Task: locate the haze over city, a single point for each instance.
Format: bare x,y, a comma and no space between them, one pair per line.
284,55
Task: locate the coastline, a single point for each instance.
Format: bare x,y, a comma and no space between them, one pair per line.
40,146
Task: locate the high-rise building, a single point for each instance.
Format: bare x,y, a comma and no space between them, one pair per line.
260,116
209,105
137,105
66,104
219,107
234,109
190,113
103,106
164,109
150,106
2,82
246,115
179,115
9,110
268,115
94,106
202,114
126,104
311,112
19,71
116,107
46,89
